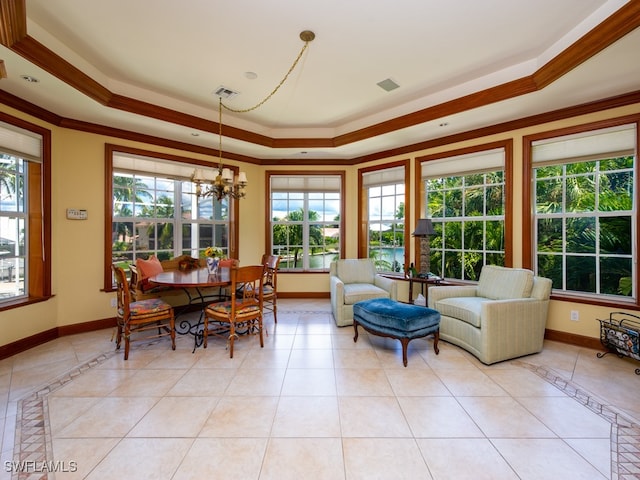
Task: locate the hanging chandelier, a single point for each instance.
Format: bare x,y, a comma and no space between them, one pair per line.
223,184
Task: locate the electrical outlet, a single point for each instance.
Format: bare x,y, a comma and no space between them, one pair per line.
575,315
114,302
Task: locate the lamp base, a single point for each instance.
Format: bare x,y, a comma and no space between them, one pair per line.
425,256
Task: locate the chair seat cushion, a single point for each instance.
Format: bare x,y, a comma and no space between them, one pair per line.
396,319
357,292
223,309
467,309
149,306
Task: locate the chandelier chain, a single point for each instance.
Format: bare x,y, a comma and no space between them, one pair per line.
273,92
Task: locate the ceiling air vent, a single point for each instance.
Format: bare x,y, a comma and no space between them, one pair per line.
224,92
387,85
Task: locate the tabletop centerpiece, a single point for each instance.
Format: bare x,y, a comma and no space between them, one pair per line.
213,255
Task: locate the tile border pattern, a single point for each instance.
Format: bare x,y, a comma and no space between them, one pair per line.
625,430
33,452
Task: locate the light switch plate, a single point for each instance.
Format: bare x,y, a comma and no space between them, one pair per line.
76,214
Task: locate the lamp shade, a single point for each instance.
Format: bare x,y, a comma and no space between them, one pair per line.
424,228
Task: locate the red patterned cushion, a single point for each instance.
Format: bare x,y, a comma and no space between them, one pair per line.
145,307
148,268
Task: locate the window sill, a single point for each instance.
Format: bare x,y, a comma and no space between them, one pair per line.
21,302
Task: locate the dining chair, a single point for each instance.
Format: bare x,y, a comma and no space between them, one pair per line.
140,316
243,313
270,283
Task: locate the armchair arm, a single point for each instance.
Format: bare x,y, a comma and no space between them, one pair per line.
514,327
437,293
387,284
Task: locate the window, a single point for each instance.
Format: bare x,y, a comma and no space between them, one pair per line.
155,212
306,219
385,217
25,271
465,198
585,217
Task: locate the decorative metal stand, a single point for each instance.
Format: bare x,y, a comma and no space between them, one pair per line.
620,334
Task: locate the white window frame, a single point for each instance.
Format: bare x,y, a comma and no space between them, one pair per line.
479,162
299,189
589,146
381,186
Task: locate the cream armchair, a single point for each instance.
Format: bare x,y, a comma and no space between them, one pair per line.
355,279
500,318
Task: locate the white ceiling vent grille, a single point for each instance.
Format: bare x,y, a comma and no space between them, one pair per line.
387,85
224,92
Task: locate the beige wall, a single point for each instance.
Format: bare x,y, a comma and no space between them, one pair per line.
77,253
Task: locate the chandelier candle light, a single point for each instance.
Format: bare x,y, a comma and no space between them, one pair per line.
224,184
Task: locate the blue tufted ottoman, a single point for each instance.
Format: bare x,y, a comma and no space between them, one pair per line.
402,321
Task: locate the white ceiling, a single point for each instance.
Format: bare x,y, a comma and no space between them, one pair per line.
175,54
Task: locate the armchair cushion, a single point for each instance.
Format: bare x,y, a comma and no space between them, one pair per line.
467,309
353,270
501,283
356,292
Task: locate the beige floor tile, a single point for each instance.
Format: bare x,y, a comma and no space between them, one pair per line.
450,357
250,416
307,417
567,418
503,417
64,410
110,417
438,417
308,458
362,381
142,458
222,459
202,382
319,381
473,459
80,455
311,359
266,358
149,383
470,383
138,358
364,417
304,341
262,381
518,382
99,384
175,417
545,459
597,451
356,358
383,458
416,382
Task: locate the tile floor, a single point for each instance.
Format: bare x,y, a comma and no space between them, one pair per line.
314,405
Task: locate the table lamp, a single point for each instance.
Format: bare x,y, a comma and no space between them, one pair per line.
424,228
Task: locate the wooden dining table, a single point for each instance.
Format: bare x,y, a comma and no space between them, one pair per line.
193,282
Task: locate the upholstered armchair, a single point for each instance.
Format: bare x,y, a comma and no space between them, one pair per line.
355,279
500,318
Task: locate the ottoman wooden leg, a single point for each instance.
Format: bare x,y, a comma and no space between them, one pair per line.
436,337
355,328
405,344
